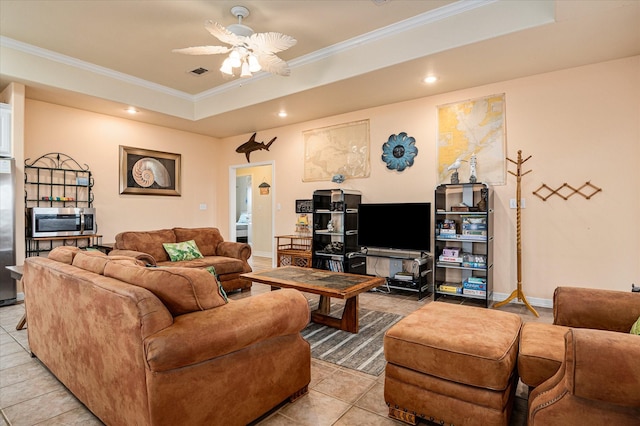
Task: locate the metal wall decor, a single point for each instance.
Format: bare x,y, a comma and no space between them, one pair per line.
573,191
251,145
399,151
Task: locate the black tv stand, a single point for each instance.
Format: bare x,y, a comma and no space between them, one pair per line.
417,265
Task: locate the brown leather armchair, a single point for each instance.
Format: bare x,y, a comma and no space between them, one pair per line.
584,369
598,382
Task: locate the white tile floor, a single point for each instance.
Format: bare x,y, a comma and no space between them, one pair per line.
30,395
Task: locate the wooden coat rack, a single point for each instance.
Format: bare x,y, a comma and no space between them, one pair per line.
518,293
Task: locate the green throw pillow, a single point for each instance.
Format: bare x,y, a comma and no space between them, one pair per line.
635,328
186,250
223,293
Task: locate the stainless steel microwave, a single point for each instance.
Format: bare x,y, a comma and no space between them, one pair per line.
61,222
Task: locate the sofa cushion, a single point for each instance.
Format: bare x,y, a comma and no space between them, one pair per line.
207,239
464,344
92,261
182,290
224,265
185,250
147,242
64,254
95,261
226,331
541,352
597,309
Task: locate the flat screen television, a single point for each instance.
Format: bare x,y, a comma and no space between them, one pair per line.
400,226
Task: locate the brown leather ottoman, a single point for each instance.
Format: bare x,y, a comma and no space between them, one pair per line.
452,364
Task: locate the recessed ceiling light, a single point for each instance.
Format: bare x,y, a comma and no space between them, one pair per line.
430,79
132,110
282,114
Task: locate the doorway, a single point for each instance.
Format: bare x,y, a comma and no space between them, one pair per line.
251,207
243,209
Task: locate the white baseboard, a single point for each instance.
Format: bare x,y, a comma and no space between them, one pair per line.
262,253
533,301
20,297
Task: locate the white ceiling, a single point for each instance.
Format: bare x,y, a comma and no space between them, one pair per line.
104,55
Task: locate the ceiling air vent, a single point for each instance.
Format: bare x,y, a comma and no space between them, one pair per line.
199,71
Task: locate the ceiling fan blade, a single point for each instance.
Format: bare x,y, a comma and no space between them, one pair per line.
270,42
223,34
203,50
272,64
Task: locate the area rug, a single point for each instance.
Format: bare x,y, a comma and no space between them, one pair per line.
362,352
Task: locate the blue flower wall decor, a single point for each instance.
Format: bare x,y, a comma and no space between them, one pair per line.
399,151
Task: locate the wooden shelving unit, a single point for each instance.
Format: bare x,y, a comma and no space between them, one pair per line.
293,250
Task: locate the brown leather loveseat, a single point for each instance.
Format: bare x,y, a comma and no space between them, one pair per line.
162,346
229,258
584,369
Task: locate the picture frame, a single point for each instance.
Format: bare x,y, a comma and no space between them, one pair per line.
482,140
148,172
304,206
342,149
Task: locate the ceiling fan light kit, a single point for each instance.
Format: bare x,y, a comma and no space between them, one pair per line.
249,51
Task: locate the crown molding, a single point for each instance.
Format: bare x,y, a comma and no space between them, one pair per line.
88,66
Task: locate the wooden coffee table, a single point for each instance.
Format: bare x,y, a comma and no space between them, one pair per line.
327,284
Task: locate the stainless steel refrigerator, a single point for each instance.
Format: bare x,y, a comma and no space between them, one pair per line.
7,230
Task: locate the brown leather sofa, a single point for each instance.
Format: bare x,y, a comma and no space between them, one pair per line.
584,369
229,258
161,346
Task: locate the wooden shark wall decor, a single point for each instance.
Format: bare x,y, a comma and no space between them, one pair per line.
251,145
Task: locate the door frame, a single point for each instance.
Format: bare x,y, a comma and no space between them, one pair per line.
232,198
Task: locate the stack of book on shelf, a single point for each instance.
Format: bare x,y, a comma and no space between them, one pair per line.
452,288
474,227
475,286
447,229
451,255
470,260
333,265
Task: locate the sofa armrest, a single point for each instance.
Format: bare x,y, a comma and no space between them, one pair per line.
234,249
145,257
590,372
595,308
204,335
599,378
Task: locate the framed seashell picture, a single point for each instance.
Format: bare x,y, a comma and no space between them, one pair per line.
147,172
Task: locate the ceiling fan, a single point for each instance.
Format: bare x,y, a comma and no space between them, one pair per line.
249,51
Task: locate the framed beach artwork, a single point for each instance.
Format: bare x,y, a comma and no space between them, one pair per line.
147,172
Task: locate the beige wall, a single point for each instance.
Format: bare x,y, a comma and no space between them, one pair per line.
94,139
578,125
